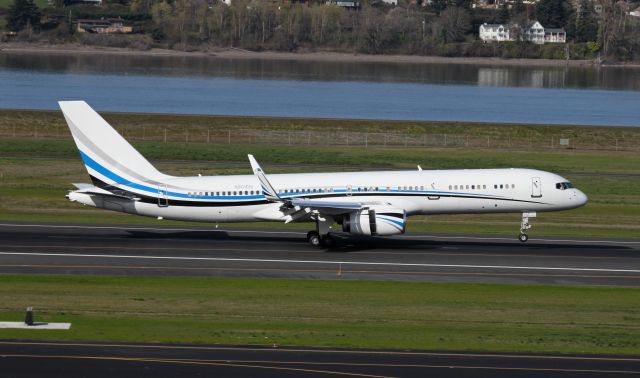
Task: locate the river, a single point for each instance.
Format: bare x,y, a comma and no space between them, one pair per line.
254,87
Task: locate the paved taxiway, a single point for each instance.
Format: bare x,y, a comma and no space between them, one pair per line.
75,359
116,250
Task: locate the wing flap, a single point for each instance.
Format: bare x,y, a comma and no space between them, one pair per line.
326,207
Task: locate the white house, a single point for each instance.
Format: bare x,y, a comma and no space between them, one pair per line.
552,35
390,2
345,3
534,32
494,32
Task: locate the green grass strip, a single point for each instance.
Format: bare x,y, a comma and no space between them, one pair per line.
363,314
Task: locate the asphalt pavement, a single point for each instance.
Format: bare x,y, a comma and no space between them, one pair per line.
127,250
91,359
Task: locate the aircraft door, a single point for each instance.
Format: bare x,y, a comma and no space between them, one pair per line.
162,196
536,187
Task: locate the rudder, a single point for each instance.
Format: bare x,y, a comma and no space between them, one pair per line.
107,156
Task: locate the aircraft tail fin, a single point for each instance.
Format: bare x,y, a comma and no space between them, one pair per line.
108,157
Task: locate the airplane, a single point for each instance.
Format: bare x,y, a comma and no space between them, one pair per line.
361,203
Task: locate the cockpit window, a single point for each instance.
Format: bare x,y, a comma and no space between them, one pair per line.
564,185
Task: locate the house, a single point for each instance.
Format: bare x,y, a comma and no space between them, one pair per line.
345,3
533,32
79,2
390,2
102,26
554,35
635,13
495,33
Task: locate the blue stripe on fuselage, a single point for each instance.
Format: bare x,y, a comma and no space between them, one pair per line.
89,162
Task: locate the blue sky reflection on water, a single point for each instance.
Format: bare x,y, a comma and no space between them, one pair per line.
26,89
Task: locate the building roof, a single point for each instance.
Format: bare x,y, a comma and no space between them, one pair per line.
554,30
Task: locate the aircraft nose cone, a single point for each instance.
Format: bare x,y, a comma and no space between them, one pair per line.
581,198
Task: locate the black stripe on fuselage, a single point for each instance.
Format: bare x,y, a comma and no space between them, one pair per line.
172,202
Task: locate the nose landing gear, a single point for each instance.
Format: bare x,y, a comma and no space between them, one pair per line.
524,226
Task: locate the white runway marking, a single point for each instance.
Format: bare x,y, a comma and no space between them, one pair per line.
304,233
320,262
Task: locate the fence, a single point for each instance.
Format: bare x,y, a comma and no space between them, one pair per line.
533,142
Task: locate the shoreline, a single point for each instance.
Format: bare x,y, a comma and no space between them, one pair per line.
303,56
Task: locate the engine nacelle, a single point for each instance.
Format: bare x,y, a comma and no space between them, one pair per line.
375,221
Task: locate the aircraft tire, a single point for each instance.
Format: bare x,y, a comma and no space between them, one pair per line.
326,241
313,238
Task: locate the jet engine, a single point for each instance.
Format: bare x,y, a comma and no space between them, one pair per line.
375,221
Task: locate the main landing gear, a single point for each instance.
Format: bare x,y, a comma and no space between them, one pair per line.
321,236
524,226
318,240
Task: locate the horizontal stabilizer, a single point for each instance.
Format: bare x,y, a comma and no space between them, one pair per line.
91,189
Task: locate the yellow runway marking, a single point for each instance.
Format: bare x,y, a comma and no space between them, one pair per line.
253,364
241,364
329,351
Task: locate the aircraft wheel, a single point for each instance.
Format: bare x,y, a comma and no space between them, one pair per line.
313,238
523,237
326,241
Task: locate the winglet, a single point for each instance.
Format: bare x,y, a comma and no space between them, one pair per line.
267,189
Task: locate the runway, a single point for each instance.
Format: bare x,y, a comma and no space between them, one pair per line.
123,250
83,359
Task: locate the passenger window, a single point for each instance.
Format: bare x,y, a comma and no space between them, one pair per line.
456,187
467,187
495,186
513,186
501,186
473,186
484,187
450,187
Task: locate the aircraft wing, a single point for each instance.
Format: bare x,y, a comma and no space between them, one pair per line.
326,207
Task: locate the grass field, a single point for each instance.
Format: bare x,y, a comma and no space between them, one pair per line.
329,313
35,174
299,131
613,210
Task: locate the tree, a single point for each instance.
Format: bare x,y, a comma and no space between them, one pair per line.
21,14
518,7
438,6
455,23
551,13
503,14
586,26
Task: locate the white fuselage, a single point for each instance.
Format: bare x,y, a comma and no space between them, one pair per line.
239,198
